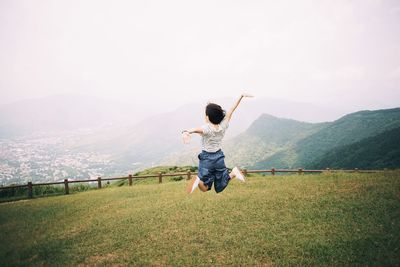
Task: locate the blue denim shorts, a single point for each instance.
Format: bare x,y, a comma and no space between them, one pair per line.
212,169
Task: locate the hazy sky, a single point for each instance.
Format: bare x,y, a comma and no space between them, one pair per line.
345,53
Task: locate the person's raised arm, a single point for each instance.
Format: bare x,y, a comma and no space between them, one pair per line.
230,112
197,130
186,134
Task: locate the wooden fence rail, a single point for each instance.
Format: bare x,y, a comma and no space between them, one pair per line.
160,176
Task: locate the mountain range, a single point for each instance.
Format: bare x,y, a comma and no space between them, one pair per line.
376,152
345,131
134,134
70,112
364,139
136,138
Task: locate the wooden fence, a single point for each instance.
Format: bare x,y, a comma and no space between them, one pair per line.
160,176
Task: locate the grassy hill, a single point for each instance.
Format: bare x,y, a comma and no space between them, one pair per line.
347,130
352,128
266,136
377,152
327,219
158,169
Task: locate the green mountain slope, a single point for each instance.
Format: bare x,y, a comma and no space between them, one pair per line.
377,152
347,130
266,136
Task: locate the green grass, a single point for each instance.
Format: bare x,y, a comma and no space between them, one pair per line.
323,220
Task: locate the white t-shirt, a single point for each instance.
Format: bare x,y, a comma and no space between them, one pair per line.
212,136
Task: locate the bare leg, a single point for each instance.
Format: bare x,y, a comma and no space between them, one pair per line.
203,187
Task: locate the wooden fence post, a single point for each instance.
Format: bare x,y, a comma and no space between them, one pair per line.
66,186
189,175
245,172
273,171
99,182
160,177
130,179
300,171
30,190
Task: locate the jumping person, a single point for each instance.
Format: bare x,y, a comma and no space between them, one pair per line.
212,167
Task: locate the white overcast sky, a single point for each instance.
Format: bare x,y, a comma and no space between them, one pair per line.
345,53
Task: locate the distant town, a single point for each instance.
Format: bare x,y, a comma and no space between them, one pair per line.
46,158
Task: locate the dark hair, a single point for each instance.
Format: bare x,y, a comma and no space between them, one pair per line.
215,113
